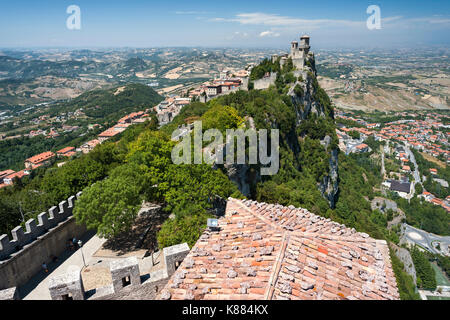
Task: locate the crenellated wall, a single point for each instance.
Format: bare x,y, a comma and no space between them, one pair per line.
22,257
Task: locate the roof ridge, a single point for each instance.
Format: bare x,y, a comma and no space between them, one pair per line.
263,219
355,236
277,267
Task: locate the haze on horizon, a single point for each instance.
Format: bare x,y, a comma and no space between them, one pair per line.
176,23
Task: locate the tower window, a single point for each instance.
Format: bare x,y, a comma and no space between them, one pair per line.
126,281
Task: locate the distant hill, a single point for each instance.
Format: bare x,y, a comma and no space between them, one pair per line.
101,106
110,104
135,64
27,69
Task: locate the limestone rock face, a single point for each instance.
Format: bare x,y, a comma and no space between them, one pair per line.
246,177
330,184
406,259
306,105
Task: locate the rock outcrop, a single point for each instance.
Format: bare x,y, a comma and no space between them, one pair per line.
303,93
305,105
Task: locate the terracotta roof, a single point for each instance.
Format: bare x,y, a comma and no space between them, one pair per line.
91,143
41,157
6,173
266,251
109,133
361,146
18,175
65,150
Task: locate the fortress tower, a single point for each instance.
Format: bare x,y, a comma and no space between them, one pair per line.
304,43
294,48
299,52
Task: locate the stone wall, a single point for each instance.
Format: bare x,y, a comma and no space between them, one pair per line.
127,283
265,83
22,257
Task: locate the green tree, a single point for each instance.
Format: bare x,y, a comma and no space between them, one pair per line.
109,206
419,188
424,270
182,229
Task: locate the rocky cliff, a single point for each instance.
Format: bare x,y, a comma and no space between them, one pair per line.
304,95
309,101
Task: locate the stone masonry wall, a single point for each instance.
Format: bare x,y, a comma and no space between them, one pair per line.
21,258
265,83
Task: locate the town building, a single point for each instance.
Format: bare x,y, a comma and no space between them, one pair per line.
89,146
403,189
9,179
66,152
214,90
4,174
109,133
42,159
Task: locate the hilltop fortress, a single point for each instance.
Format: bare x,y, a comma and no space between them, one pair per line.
298,53
302,60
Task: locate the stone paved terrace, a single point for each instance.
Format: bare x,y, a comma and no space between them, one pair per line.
266,251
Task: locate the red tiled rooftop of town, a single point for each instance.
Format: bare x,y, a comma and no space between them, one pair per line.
6,173
93,143
18,175
65,150
267,251
41,157
109,133
361,146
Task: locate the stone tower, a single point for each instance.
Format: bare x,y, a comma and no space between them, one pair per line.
294,49
299,52
304,44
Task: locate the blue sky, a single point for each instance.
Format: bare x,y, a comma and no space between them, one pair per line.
243,23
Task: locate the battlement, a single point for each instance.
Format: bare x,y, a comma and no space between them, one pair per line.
33,230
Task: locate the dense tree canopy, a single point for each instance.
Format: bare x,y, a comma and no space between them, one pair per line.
426,278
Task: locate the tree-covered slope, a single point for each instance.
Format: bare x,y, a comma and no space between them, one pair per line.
111,103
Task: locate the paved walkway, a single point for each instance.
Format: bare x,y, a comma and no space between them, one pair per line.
37,287
96,273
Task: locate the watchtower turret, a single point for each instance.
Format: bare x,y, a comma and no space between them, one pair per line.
304,43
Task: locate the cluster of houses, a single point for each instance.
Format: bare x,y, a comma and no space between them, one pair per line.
444,203
348,144
228,81
47,158
423,135
170,108
414,133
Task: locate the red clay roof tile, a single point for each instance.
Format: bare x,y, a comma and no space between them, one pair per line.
266,251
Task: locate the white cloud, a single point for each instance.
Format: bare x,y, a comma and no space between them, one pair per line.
278,21
258,18
193,12
242,34
269,34
431,20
